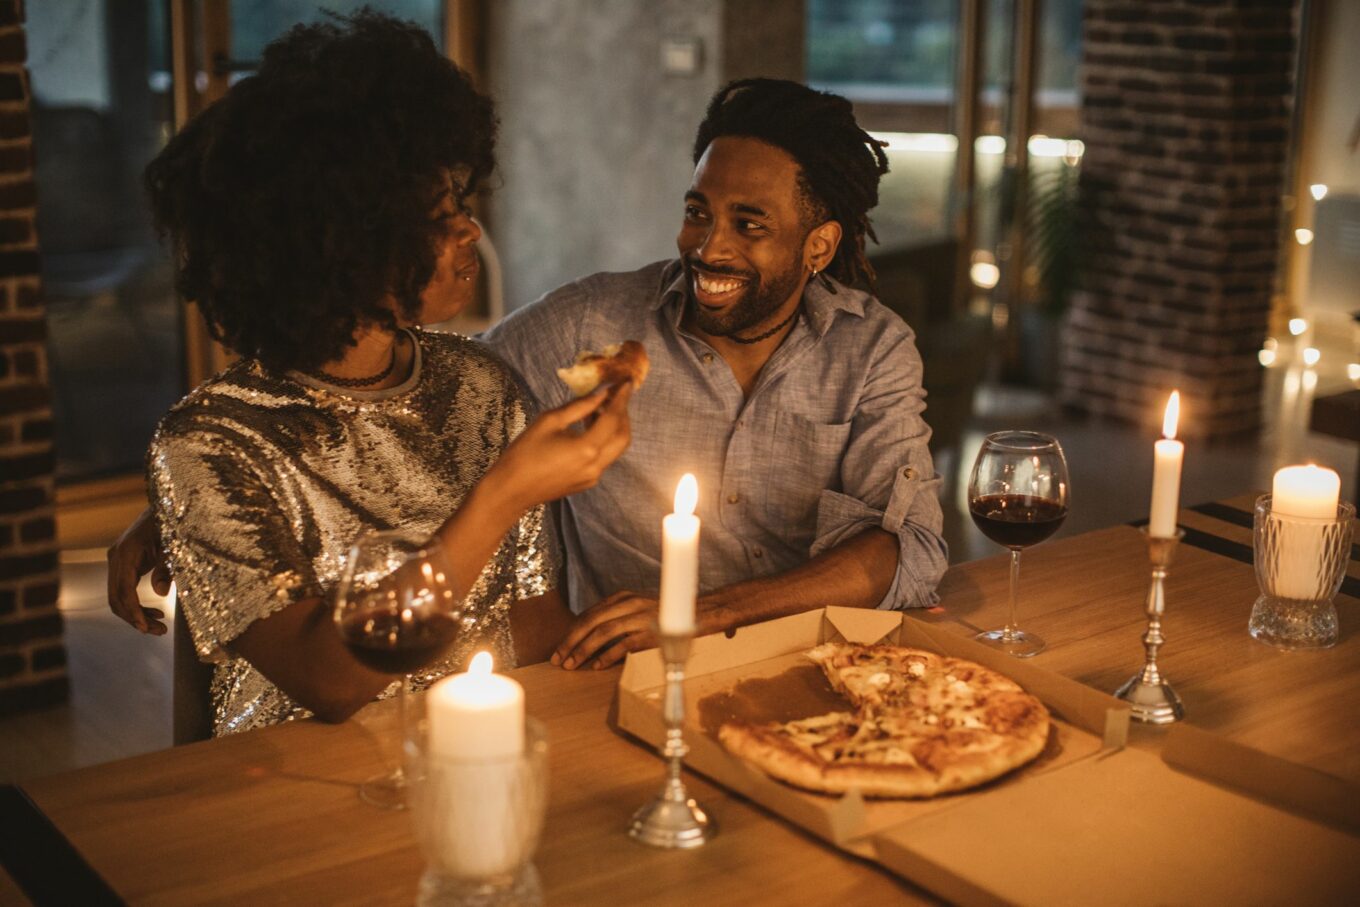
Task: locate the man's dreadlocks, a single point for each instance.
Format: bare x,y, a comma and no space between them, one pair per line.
839,163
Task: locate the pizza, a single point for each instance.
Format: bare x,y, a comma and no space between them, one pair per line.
918,724
616,364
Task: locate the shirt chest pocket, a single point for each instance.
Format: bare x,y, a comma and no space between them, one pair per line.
805,460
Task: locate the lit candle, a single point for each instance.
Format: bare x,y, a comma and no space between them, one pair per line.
468,796
476,715
680,560
1300,494
1166,473
1309,491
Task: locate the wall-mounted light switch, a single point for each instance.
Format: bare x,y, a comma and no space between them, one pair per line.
681,56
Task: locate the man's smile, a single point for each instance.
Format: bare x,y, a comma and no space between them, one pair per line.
716,290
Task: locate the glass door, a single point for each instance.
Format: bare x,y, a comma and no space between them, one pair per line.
101,109
111,81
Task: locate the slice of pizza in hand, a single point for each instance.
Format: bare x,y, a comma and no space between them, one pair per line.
615,364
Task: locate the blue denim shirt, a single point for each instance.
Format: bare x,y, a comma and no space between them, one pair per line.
829,442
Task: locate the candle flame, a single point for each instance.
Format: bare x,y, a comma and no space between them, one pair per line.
481,664
1172,416
686,495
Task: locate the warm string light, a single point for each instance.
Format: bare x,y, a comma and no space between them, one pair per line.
984,274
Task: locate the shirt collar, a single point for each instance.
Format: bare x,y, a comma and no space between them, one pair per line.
819,303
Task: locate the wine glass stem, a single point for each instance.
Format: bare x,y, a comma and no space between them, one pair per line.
399,771
1011,630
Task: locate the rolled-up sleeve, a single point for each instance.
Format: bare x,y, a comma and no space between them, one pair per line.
887,479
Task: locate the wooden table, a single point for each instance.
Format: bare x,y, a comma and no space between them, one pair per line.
272,816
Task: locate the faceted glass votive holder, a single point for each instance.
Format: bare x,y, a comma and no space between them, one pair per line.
478,822
1300,562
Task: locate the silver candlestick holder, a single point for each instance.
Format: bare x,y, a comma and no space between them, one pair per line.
674,819
1148,691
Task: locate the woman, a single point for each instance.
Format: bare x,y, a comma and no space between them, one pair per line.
317,214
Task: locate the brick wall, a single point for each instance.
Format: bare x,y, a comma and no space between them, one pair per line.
32,656
1185,116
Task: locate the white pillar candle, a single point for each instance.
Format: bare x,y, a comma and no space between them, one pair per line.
1310,491
476,739
1166,473
476,715
1300,494
680,560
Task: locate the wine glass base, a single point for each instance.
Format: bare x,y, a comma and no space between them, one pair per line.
519,889
385,791
1016,643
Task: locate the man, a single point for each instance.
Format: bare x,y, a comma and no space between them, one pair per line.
793,398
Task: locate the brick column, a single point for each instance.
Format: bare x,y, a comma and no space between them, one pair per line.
1185,116
32,656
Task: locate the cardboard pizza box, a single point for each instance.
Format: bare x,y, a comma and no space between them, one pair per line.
1088,809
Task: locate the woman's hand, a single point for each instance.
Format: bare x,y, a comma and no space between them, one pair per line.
136,553
552,459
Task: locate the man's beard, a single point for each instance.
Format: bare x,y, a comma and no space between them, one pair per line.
757,302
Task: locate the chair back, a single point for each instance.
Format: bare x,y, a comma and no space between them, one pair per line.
192,699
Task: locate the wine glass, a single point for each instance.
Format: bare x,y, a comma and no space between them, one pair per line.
396,613
1018,496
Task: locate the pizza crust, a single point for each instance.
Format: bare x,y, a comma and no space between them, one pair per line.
923,725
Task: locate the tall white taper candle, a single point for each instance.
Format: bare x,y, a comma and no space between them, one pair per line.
1166,473
680,560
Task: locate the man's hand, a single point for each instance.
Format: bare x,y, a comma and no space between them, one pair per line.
622,623
136,553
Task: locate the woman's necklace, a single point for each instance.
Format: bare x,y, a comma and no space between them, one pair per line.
359,382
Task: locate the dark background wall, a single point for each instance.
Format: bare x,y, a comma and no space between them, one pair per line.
1186,117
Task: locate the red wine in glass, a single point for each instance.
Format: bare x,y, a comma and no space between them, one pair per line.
394,643
395,611
1016,520
1018,496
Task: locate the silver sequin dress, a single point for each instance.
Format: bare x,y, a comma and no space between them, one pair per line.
261,483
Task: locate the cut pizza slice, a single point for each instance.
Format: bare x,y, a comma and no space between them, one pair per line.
874,675
616,364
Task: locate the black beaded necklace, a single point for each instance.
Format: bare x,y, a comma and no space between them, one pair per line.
771,332
338,381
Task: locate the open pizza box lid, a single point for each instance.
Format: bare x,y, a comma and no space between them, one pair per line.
1089,820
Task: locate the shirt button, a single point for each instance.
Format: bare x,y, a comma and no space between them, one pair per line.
708,358
733,498
757,552
909,473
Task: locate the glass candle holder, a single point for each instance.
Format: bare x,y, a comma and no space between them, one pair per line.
478,822
1300,562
